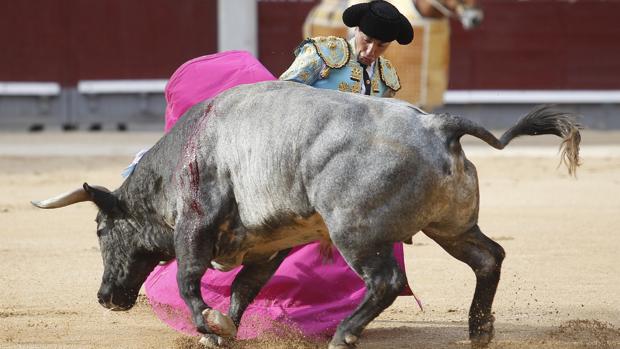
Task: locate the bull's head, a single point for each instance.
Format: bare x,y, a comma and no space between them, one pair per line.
127,258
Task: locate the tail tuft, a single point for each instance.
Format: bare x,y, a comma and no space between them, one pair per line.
569,149
547,120
540,121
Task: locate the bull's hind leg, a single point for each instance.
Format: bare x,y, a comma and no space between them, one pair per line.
376,264
485,257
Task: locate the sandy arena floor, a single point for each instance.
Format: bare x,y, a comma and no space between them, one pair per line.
560,284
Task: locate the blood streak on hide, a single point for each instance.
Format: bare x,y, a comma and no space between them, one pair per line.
189,159
194,183
194,177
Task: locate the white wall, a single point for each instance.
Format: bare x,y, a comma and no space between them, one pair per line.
237,27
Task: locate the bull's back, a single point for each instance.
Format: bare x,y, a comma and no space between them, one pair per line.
292,149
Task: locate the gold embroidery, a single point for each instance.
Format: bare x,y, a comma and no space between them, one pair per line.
357,87
344,87
356,73
374,85
325,73
334,57
304,75
388,74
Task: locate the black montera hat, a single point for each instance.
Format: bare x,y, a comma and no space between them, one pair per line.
380,20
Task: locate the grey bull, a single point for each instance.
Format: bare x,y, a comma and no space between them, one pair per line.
265,167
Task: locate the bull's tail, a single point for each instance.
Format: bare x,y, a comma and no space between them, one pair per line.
540,121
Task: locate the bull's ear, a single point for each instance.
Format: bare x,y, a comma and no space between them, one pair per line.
104,199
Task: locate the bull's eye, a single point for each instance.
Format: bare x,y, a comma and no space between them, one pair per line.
101,228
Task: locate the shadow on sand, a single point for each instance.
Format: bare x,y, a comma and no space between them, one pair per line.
451,335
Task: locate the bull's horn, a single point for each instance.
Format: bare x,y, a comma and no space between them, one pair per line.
68,198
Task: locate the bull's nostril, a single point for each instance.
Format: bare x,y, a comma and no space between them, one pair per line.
104,303
105,299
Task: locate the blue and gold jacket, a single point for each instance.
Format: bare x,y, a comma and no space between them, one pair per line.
330,62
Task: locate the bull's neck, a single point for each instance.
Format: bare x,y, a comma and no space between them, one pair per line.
149,212
149,191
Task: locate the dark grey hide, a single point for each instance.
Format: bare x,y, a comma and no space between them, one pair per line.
261,168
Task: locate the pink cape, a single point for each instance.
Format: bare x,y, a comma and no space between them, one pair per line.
204,77
305,294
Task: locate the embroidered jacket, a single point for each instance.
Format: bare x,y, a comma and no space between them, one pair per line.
330,62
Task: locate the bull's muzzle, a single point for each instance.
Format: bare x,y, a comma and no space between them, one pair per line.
116,301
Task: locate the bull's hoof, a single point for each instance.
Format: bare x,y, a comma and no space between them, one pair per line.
213,341
349,342
219,323
481,342
482,335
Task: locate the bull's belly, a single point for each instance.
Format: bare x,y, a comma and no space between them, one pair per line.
261,246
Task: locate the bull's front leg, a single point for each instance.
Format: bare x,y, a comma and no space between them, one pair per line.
194,251
250,281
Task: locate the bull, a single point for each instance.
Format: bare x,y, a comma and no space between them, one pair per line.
261,168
